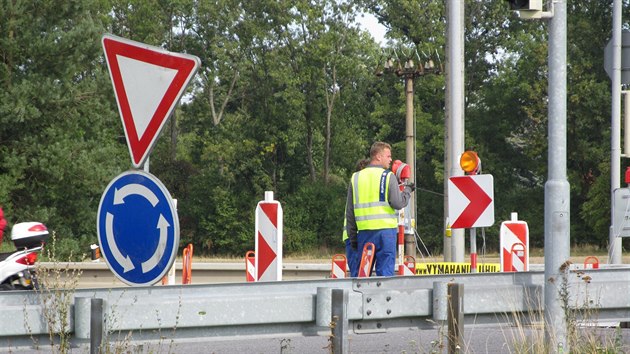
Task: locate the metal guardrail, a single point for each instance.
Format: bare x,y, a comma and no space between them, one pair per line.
98,274
376,304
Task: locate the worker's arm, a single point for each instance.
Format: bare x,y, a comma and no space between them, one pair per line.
351,223
398,199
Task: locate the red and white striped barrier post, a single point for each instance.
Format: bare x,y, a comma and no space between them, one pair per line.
367,259
169,277
518,255
409,266
339,265
269,239
591,262
250,266
403,173
187,254
401,242
511,233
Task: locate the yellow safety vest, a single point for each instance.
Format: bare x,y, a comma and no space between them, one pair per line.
370,188
344,234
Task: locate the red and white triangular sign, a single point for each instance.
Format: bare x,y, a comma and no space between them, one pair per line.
148,83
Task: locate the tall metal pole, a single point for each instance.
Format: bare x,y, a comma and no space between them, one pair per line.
557,197
455,108
410,152
447,142
614,243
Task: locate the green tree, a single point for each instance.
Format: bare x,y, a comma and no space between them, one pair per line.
287,100
59,129
261,97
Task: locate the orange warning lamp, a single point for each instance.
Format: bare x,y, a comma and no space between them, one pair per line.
470,162
401,170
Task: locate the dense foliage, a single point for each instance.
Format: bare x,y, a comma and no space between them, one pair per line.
287,100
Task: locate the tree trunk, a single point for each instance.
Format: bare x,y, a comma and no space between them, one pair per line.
309,132
174,133
216,117
330,103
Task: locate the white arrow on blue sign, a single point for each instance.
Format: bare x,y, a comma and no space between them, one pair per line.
138,228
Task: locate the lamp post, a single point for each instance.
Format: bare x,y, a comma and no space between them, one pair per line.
409,71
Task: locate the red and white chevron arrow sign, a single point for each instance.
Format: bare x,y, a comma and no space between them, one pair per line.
471,201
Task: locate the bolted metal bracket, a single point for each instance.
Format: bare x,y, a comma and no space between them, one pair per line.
384,302
365,327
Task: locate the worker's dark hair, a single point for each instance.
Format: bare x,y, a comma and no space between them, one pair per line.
378,147
361,164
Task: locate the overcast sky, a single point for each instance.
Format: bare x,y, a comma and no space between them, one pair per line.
377,30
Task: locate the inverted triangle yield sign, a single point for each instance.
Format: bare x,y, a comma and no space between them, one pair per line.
148,83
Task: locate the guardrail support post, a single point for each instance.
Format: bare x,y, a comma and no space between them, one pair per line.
455,317
88,321
339,321
96,325
323,307
81,317
440,301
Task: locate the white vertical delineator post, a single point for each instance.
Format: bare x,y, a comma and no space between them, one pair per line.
268,237
626,124
171,275
169,278
171,272
473,250
401,241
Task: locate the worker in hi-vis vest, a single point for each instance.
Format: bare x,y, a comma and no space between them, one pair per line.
374,196
353,257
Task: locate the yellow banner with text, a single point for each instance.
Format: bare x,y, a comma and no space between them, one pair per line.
454,268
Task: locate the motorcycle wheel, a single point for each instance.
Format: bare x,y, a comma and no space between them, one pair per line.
21,287
34,281
6,287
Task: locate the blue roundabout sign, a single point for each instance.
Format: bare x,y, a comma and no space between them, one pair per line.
138,228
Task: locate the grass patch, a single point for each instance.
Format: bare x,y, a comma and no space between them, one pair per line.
582,331
55,288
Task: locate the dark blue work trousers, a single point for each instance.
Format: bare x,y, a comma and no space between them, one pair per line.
384,241
354,259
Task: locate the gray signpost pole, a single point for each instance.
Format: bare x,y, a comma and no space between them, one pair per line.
455,75
617,66
614,243
557,197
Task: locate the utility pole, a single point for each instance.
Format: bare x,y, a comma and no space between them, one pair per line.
410,155
407,69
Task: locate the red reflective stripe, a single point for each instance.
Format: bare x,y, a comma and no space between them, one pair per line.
271,210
